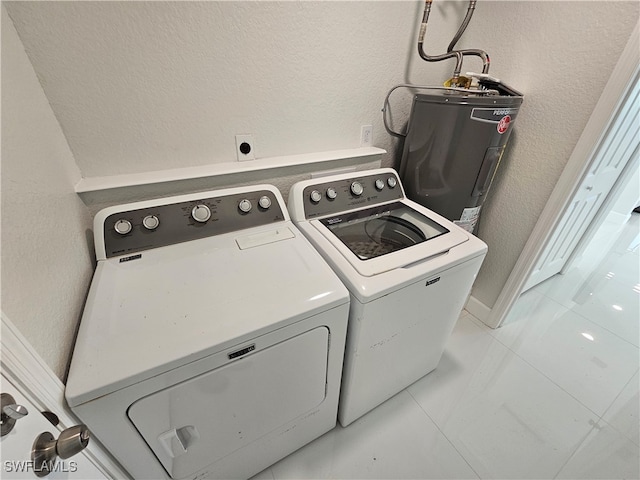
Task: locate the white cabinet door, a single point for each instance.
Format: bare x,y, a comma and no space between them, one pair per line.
15,447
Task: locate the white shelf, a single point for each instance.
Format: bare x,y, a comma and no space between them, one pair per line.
96,184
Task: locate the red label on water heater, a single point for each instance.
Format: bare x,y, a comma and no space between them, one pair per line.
503,124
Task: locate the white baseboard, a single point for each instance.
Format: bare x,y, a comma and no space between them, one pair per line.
478,309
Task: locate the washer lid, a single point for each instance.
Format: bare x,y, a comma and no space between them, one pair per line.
166,307
385,237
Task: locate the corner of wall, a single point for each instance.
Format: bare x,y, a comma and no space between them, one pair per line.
478,309
46,256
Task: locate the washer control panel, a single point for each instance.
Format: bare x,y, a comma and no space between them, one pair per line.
135,230
337,196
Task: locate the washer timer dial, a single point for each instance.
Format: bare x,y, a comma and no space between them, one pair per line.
357,189
201,213
123,226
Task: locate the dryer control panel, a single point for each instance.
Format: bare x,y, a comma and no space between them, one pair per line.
365,190
145,225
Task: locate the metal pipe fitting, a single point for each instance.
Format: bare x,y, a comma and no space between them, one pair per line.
457,54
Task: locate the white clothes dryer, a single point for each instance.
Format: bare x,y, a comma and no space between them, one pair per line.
212,340
409,272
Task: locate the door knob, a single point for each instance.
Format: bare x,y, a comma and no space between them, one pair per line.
10,411
46,448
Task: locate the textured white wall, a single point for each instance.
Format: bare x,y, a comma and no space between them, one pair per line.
560,54
139,86
46,261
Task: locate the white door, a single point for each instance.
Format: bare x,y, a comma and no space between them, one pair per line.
618,147
15,447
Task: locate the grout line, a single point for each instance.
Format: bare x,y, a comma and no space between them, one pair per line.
611,405
597,420
599,417
480,324
590,273
273,476
573,454
443,434
595,424
609,331
570,309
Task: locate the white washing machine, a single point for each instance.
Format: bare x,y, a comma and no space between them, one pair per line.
212,340
409,272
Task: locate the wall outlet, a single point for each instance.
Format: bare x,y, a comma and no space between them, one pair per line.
245,148
366,136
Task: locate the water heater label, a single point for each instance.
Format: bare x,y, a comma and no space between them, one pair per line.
468,219
493,115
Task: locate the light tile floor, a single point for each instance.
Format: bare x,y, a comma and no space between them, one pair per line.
551,394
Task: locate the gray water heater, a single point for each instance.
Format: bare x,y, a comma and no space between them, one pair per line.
453,146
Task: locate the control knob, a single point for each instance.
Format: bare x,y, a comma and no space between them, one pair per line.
331,193
391,181
201,213
150,222
315,196
264,202
123,226
379,184
357,189
245,206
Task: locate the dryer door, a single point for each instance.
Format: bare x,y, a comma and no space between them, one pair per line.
195,423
